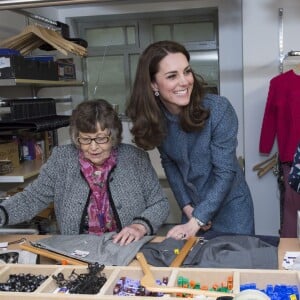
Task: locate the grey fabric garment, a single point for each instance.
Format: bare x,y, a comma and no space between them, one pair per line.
244,252
101,248
229,251
161,254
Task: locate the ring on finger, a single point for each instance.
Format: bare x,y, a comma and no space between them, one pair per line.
182,235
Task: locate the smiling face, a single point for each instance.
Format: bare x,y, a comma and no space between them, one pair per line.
96,153
174,81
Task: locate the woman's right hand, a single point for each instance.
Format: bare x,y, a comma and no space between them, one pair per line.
129,234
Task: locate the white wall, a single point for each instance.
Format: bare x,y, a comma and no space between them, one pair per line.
10,24
231,62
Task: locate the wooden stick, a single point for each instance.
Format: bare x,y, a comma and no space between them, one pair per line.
148,278
52,255
184,252
149,283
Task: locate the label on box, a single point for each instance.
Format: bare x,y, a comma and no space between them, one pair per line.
4,62
3,245
66,70
10,151
291,258
61,290
80,253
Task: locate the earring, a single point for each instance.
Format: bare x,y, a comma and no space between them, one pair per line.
156,93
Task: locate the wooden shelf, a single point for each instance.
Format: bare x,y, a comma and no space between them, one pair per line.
26,170
39,83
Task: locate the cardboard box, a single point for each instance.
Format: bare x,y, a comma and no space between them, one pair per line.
66,69
10,151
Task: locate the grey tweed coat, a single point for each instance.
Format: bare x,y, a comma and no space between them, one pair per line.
135,193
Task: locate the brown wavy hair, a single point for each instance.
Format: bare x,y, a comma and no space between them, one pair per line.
143,107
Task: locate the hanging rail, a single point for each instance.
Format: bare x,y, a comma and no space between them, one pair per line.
64,28
37,17
281,54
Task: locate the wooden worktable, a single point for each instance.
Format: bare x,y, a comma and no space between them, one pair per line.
286,244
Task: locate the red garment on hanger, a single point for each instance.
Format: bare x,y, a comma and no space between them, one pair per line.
282,116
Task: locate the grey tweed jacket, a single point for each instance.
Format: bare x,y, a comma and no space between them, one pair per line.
135,193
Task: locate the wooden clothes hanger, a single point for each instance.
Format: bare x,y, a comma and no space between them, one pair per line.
45,35
265,166
33,36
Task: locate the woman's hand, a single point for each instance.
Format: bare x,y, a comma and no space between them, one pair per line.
183,231
129,234
187,230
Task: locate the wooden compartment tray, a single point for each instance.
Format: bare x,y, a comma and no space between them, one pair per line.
204,276
262,278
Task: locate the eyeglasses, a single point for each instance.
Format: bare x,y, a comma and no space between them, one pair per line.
98,140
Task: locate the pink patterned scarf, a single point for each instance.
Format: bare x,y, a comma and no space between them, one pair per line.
100,215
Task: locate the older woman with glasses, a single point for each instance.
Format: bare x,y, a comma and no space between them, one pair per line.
97,183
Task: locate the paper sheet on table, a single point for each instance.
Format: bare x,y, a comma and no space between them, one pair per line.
17,257
291,260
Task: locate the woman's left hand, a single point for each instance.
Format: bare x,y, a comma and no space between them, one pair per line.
183,231
188,210
129,234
